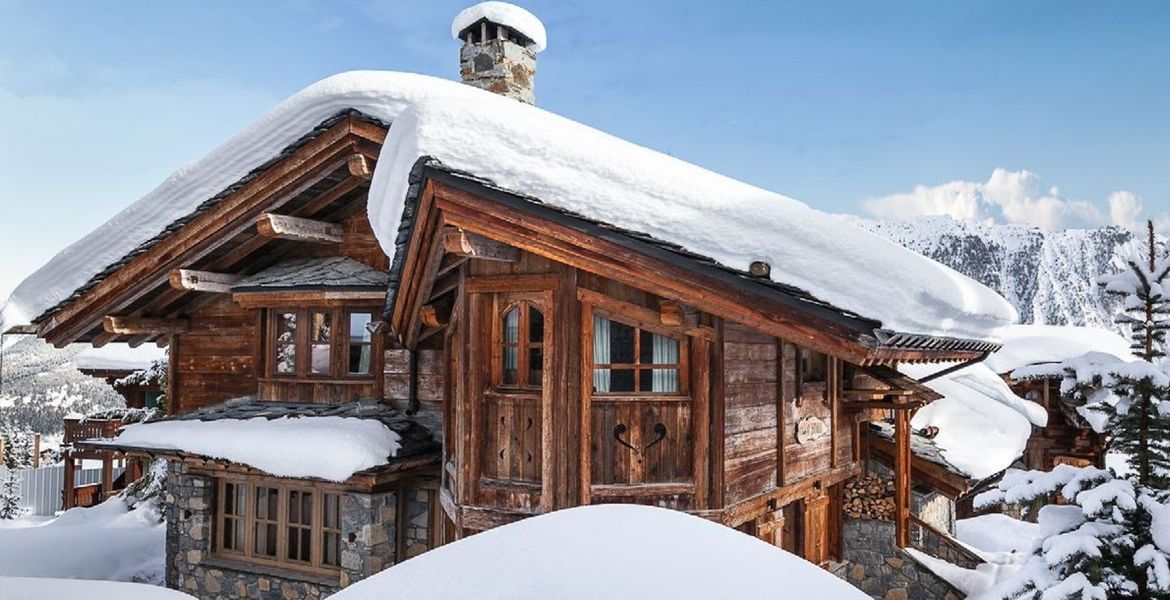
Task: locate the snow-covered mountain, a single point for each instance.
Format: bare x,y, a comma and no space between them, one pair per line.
40,384
1047,275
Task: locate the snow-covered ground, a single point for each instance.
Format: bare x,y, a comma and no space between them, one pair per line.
1003,542
46,588
605,551
108,542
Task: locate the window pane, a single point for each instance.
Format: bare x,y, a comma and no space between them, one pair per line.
331,501
535,366
535,325
229,498
512,326
329,551
228,539
510,365
286,329
294,507
658,380
293,539
621,343
359,359
239,537
307,508
320,362
357,327
306,543
621,380
658,349
322,327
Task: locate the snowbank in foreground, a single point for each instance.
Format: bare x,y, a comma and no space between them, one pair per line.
332,448
605,551
44,588
106,542
535,153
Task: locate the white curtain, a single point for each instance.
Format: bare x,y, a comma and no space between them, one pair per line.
511,336
665,353
600,353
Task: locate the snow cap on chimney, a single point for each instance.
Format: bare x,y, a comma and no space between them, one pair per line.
500,42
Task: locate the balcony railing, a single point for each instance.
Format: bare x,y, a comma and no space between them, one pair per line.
87,429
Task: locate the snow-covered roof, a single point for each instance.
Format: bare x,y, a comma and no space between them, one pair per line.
329,442
508,15
537,154
1025,345
982,426
605,551
315,273
119,357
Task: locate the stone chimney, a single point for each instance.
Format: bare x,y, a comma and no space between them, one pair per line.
500,42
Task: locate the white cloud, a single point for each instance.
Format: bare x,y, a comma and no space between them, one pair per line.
1012,197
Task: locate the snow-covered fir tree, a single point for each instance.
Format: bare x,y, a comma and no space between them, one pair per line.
17,447
1111,539
10,497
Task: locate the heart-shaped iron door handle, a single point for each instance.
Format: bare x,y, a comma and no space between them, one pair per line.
621,430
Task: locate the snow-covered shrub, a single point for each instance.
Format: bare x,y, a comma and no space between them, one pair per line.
10,497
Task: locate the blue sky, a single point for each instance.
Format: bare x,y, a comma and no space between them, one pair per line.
886,109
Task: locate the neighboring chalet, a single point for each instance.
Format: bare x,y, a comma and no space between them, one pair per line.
134,374
401,310
1030,362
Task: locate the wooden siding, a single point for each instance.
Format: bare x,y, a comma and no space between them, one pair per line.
216,359
750,404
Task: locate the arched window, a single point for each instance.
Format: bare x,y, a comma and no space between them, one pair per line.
522,341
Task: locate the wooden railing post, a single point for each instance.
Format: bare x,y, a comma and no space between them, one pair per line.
902,460
67,498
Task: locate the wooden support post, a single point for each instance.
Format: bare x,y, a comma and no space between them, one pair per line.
143,326
107,475
68,494
36,451
462,243
191,280
299,229
902,477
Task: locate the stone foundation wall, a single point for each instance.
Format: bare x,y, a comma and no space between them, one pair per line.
873,564
369,543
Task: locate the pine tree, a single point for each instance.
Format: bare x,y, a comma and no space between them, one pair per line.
10,497
1136,427
1102,544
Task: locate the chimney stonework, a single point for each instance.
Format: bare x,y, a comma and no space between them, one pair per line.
497,60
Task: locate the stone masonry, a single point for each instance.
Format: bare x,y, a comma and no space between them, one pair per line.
500,66
369,533
873,564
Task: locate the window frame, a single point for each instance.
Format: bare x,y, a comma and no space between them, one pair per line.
320,491
339,344
503,304
682,366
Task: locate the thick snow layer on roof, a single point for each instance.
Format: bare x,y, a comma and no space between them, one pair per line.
503,13
332,448
119,357
531,152
982,426
605,551
1025,345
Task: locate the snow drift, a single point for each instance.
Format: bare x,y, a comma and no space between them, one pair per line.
534,153
605,551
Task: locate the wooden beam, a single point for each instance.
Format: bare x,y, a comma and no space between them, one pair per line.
670,312
437,313
191,280
902,466
299,229
103,338
463,243
359,166
143,326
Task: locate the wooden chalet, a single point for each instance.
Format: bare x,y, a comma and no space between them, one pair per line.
556,359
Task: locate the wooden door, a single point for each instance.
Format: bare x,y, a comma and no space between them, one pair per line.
816,529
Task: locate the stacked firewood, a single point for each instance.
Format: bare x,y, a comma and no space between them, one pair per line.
870,497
